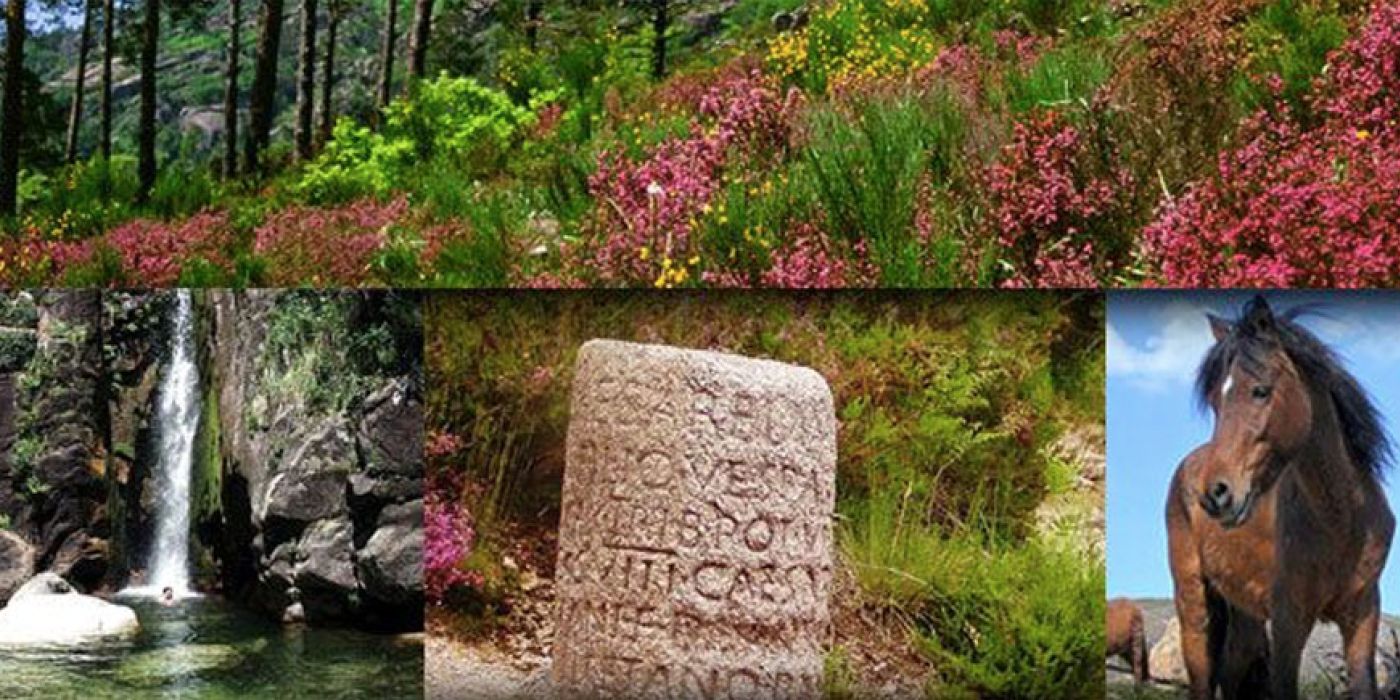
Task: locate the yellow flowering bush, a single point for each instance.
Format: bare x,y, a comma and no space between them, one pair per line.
854,40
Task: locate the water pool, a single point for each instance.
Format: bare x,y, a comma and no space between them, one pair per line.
209,648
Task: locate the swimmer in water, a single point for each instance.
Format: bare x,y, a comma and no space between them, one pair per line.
167,596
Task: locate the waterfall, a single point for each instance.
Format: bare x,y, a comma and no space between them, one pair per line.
177,419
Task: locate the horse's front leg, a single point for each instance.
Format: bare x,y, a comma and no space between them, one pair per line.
1359,624
1194,617
1291,626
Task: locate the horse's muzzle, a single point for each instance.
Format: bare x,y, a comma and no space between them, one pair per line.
1221,504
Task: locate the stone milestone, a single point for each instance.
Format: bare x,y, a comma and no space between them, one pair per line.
696,527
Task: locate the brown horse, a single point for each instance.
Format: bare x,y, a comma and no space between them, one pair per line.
1280,517
1126,638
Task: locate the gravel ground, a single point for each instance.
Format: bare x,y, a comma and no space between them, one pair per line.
460,671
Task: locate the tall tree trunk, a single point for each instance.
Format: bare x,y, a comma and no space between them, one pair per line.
533,10
263,97
235,19
146,130
12,119
418,41
660,22
306,81
386,52
109,23
75,115
333,12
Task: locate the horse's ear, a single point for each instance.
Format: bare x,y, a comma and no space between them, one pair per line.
1219,327
1258,317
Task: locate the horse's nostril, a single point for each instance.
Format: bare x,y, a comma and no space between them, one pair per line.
1220,495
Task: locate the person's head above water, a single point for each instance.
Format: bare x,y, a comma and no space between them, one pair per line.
167,593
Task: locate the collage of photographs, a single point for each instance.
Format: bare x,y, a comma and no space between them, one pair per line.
699,349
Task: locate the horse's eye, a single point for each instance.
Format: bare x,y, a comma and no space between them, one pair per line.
1262,391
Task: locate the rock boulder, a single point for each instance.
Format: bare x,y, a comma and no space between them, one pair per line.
47,611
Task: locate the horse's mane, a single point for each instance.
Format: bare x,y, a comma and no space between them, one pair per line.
1257,332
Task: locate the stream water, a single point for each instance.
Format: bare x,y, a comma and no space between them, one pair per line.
206,647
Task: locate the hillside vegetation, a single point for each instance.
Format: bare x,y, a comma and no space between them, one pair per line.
774,143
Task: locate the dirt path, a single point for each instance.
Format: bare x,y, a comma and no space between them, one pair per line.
456,670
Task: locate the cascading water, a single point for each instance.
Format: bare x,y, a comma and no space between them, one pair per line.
177,419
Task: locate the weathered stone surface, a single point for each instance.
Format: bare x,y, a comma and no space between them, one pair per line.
391,563
52,488
327,547
1322,657
16,563
1165,660
391,433
696,526
303,497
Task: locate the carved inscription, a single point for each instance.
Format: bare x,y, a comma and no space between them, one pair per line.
695,537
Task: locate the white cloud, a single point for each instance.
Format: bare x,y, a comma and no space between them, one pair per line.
1363,329
1364,332
1167,357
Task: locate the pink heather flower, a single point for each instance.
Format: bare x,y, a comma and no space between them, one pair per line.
1048,205
442,444
152,253
655,203
1295,204
448,538
326,246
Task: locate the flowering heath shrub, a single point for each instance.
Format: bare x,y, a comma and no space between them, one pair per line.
648,209
1054,212
30,260
152,253
448,538
309,245
811,260
1300,204
148,252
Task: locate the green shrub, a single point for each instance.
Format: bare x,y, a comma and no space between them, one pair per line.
482,259
459,120
18,310
1062,78
1024,622
182,191
357,162
16,348
452,127
865,168
1289,39
330,349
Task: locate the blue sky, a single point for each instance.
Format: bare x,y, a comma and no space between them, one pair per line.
1155,342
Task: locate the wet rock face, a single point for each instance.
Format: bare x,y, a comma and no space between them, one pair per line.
52,490
328,500
696,526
